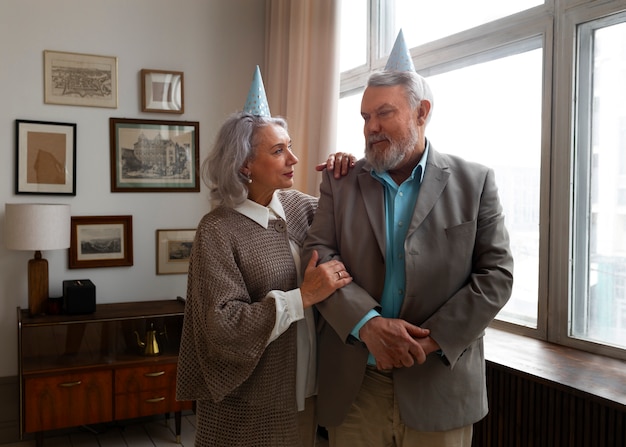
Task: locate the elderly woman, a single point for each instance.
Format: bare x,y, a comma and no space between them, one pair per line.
247,353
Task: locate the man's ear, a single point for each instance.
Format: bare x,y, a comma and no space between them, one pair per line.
422,111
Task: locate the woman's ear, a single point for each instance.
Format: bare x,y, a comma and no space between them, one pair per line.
245,169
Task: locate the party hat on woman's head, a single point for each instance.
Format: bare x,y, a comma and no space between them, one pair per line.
400,58
256,104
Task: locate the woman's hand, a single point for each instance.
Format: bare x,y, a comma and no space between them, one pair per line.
339,162
320,281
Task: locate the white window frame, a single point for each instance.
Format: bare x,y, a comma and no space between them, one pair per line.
554,25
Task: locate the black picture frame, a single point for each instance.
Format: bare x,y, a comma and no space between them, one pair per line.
45,157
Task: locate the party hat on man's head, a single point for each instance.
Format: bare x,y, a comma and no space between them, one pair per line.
400,58
256,104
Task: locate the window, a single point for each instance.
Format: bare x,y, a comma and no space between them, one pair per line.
598,299
459,15
490,65
499,125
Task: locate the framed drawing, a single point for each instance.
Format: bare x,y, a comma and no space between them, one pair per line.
76,79
101,241
162,91
173,251
154,156
45,160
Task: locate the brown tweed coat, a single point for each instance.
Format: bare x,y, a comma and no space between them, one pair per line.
245,389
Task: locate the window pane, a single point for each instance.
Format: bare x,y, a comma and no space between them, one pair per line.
353,34
350,125
491,113
477,115
599,298
423,22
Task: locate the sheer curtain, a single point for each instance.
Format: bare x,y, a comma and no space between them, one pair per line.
301,77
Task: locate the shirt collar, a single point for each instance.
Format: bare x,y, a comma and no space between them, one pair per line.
259,213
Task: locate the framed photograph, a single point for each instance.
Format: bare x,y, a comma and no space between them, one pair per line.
162,91
154,156
173,249
76,79
101,241
45,158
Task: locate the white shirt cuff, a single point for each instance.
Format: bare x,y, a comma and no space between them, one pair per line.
288,309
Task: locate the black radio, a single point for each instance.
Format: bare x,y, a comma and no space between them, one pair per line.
79,296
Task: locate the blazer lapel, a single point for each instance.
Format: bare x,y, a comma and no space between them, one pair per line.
371,188
435,179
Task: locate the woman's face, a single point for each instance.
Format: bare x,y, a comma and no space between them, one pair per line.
271,167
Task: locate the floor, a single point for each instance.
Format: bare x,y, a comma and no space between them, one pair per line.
147,432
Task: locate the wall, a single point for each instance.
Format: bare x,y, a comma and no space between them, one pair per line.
216,44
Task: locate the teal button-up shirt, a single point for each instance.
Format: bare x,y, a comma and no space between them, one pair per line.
399,205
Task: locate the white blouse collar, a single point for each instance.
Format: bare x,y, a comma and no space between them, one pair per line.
261,214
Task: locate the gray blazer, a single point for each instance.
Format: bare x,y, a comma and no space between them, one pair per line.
459,274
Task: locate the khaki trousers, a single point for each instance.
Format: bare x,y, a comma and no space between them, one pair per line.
374,421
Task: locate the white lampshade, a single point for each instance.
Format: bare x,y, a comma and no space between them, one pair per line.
36,226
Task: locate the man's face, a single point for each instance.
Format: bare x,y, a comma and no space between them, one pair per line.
390,127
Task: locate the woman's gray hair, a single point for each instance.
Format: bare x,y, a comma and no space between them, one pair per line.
414,84
234,145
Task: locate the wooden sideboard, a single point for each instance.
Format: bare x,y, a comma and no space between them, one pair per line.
86,369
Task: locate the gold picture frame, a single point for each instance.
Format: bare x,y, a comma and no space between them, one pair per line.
77,79
162,91
173,249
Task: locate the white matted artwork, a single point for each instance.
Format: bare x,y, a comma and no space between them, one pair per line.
173,251
77,79
162,91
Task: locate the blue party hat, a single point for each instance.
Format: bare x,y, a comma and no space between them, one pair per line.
256,104
400,58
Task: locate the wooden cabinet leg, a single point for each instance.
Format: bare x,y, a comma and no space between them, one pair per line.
39,439
177,423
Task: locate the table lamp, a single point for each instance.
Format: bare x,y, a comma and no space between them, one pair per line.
37,227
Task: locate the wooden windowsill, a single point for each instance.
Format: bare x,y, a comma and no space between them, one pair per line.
578,372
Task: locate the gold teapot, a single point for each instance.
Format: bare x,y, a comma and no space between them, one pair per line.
151,345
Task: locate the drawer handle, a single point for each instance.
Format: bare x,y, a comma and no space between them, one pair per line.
154,374
70,384
155,400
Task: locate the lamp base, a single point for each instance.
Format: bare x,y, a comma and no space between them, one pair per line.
37,285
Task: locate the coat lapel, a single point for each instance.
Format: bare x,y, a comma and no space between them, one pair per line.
375,209
435,179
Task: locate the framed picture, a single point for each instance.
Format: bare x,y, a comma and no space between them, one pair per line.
101,241
45,161
154,156
162,91
173,251
76,79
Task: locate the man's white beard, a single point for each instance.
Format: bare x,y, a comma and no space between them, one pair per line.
385,160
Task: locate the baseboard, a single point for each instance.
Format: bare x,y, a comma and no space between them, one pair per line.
9,410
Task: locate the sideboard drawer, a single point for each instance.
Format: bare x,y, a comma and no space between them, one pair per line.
144,403
65,400
142,378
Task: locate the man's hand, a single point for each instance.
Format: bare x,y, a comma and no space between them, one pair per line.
340,163
394,342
